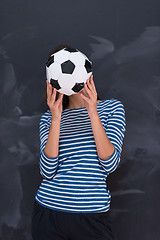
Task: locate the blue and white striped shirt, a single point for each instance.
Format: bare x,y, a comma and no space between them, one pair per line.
75,180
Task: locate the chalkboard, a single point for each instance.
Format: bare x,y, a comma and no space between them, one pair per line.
122,38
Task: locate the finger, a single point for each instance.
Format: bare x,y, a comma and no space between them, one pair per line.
60,97
48,87
92,82
84,97
92,86
53,96
48,91
84,93
89,84
51,93
89,92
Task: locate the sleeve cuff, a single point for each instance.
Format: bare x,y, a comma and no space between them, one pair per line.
49,158
109,159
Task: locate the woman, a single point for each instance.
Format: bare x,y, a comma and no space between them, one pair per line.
81,141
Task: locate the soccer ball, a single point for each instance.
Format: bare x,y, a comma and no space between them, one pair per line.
68,70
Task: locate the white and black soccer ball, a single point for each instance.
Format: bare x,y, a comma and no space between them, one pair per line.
68,70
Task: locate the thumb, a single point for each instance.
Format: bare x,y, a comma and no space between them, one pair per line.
61,96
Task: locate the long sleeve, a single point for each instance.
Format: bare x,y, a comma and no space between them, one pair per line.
114,128
48,165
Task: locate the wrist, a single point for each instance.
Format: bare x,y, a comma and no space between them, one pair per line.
94,115
56,120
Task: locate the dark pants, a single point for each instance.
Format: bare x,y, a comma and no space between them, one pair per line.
48,224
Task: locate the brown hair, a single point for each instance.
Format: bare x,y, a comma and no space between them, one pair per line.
65,100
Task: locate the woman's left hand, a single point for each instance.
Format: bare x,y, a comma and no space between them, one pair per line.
90,101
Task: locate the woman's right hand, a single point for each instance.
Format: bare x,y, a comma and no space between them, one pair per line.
55,106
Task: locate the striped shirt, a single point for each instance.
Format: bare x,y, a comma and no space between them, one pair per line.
75,180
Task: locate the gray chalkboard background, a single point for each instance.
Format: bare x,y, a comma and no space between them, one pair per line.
122,38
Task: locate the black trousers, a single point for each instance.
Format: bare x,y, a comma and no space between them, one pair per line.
48,224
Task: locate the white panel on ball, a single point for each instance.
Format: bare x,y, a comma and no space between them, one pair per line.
61,56
65,81
80,74
77,58
47,74
55,70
